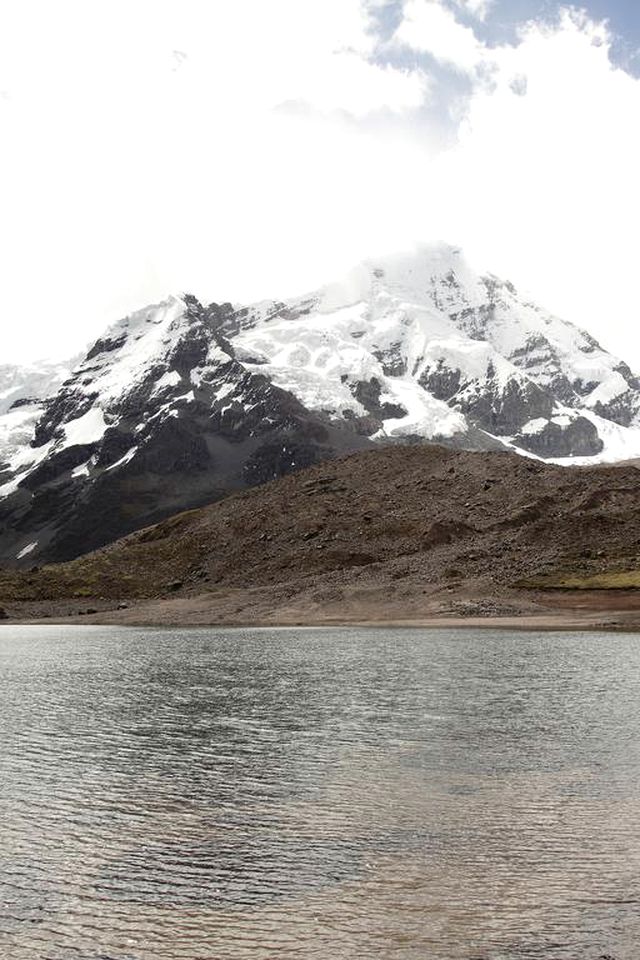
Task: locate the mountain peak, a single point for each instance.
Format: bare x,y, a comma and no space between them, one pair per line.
408,273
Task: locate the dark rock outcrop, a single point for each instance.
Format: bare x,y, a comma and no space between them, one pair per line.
367,392
578,439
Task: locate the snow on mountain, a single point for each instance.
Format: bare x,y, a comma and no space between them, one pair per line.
159,416
445,350
23,390
33,381
180,403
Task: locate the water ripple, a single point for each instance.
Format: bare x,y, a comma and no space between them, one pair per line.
318,795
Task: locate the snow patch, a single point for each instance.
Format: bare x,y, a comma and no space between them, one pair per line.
12,485
223,391
426,416
82,470
534,426
613,386
30,547
89,428
475,359
216,355
169,379
129,455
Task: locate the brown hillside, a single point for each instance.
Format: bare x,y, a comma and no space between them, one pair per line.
415,528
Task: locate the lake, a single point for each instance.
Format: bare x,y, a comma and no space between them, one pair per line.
344,793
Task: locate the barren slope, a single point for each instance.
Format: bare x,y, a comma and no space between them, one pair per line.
397,531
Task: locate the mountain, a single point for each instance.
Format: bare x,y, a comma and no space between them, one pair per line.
390,533
433,350
160,415
181,403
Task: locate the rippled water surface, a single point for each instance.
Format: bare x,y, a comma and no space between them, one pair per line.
173,795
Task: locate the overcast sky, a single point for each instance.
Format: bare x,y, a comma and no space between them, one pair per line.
241,149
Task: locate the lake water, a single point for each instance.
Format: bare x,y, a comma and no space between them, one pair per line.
329,794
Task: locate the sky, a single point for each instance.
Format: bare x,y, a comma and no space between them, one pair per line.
247,149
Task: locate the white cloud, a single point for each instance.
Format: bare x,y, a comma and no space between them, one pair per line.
541,185
278,149
432,28
477,8
128,172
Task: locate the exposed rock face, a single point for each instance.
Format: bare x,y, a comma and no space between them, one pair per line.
160,416
579,438
367,392
443,382
183,402
503,409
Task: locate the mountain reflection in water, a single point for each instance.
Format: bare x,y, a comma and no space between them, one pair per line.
205,794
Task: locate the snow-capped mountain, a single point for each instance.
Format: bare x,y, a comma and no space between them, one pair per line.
160,416
435,351
181,403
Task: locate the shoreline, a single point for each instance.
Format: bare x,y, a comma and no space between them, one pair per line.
477,606
611,621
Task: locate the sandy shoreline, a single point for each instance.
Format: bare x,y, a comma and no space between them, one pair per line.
478,605
158,616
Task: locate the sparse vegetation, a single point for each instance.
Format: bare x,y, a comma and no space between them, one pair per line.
400,523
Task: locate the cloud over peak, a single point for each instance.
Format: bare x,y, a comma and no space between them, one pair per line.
249,149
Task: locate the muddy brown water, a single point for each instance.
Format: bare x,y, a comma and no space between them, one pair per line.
338,793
